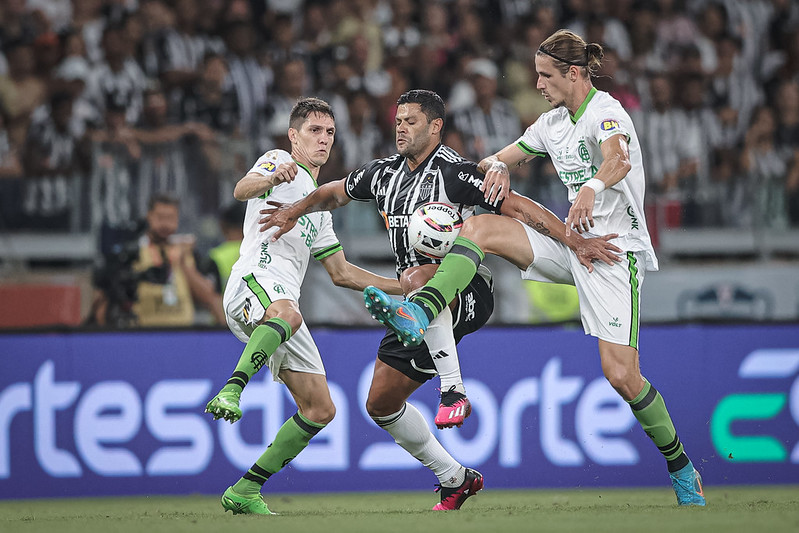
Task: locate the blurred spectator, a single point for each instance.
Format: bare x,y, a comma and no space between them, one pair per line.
224,255
87,19
250,80
597,25
10,162
117,78
362,140
492,123
55,152
19,23
614,79
165,282
768,168
21,91
212,100
662,133
402,35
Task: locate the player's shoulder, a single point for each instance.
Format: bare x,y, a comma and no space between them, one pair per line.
269,161
445,154
553,116
603,103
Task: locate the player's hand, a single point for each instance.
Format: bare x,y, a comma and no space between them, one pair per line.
597,249
581,213
285,173
496,182
281,215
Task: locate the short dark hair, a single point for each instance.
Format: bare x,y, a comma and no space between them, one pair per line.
304,107
162,198
431,103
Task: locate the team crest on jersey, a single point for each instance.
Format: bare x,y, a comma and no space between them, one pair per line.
426,187
269,166
609,124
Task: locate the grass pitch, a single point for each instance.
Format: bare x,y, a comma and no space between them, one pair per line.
730,510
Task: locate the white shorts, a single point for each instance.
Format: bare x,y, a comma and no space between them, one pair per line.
245,302
610,296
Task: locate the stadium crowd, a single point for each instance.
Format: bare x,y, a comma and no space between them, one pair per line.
105,102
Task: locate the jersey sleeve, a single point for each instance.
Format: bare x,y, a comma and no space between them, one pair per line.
326,242
360,184
463,186
532,141
269,162
610,120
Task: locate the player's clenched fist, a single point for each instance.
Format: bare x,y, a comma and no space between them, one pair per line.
285,173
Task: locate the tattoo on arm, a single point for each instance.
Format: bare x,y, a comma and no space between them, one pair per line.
540,227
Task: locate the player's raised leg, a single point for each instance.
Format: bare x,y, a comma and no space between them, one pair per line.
315,410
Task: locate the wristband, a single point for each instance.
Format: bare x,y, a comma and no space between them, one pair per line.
596,184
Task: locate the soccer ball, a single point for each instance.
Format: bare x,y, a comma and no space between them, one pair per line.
433,227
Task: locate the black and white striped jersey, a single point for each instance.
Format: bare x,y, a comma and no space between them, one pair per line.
444,176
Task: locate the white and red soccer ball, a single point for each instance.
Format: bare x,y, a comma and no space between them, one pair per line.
433,227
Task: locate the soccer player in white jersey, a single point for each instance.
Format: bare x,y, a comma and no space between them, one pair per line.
595,150
261,298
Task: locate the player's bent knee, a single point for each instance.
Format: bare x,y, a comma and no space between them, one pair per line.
623,380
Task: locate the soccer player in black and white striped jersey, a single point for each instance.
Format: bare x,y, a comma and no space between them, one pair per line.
424,170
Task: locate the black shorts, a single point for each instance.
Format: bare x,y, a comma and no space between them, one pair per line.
473,309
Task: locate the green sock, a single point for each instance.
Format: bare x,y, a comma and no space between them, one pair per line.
453,275
650,410
262,344
290,440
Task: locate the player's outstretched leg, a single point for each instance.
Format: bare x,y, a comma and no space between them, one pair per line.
453,409
407,319
243,505
453,498
225,405
687,484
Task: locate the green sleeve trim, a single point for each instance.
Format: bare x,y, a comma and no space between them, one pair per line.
529,151
326,252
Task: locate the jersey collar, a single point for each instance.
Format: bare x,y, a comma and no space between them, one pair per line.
308,171
582,107
423,164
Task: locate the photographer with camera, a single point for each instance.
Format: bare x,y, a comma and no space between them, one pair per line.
153,281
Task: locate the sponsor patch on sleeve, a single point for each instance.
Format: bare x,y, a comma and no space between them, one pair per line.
609,124
268,166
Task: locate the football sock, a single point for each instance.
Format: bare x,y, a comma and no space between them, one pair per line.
262,344
440,342
453,275
411,432
650,410
290,440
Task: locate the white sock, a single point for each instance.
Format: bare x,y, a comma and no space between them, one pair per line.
410,431
441,342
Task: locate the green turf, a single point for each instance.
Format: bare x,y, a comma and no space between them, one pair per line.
730,510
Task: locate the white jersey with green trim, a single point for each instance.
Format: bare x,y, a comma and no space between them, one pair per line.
573,143
313,233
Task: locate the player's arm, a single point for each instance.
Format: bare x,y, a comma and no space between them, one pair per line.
614,167
254,184
546,223
345,274
496,183
326,198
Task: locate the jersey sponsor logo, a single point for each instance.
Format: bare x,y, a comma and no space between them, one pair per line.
353,182
471,179
395,221
268,166
633,218
609,124
264,258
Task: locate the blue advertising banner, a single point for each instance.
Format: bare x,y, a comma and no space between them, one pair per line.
122,413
